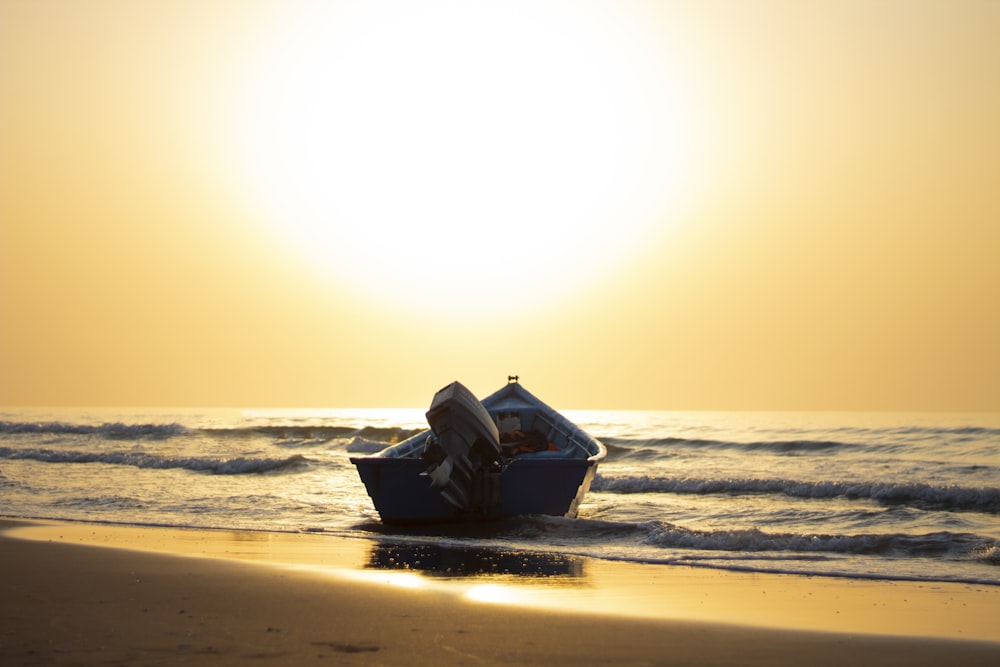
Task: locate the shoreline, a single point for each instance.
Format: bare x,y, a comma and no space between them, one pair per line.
67,588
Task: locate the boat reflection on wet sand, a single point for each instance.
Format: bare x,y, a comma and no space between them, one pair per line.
456,561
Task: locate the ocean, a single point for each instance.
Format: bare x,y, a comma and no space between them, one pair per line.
862,495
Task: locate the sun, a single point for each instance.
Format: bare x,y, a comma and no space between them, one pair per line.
446,157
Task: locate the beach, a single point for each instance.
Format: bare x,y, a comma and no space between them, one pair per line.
79,593
716,277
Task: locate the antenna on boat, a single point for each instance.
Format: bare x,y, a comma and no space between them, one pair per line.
512,379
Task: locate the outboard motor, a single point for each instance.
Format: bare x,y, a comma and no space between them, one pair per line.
464,451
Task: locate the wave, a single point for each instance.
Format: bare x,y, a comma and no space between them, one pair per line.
360,445
756,544
318,433
922,496
967,430
627,447
116,430
841,440
234,466
287,435
753,539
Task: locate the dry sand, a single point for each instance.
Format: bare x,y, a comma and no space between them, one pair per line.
95,594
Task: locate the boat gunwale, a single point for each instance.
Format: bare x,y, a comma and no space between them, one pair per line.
576,437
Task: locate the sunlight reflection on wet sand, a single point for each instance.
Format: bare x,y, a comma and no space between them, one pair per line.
566,584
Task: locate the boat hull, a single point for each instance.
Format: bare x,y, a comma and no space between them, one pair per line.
402,492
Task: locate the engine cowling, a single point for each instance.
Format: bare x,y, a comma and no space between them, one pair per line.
464,452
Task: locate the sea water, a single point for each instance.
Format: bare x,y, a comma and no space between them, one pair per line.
886,496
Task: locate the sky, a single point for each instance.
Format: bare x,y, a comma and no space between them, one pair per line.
722,205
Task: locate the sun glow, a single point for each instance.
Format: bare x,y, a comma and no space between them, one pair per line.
443,155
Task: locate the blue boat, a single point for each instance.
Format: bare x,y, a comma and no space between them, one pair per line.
507,455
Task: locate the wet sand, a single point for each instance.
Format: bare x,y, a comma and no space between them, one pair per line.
73,593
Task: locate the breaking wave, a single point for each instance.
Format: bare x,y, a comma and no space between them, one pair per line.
854,439
383,434
942,544
234,466
628,446
116,430
923,496
755,544
293,434
360,445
